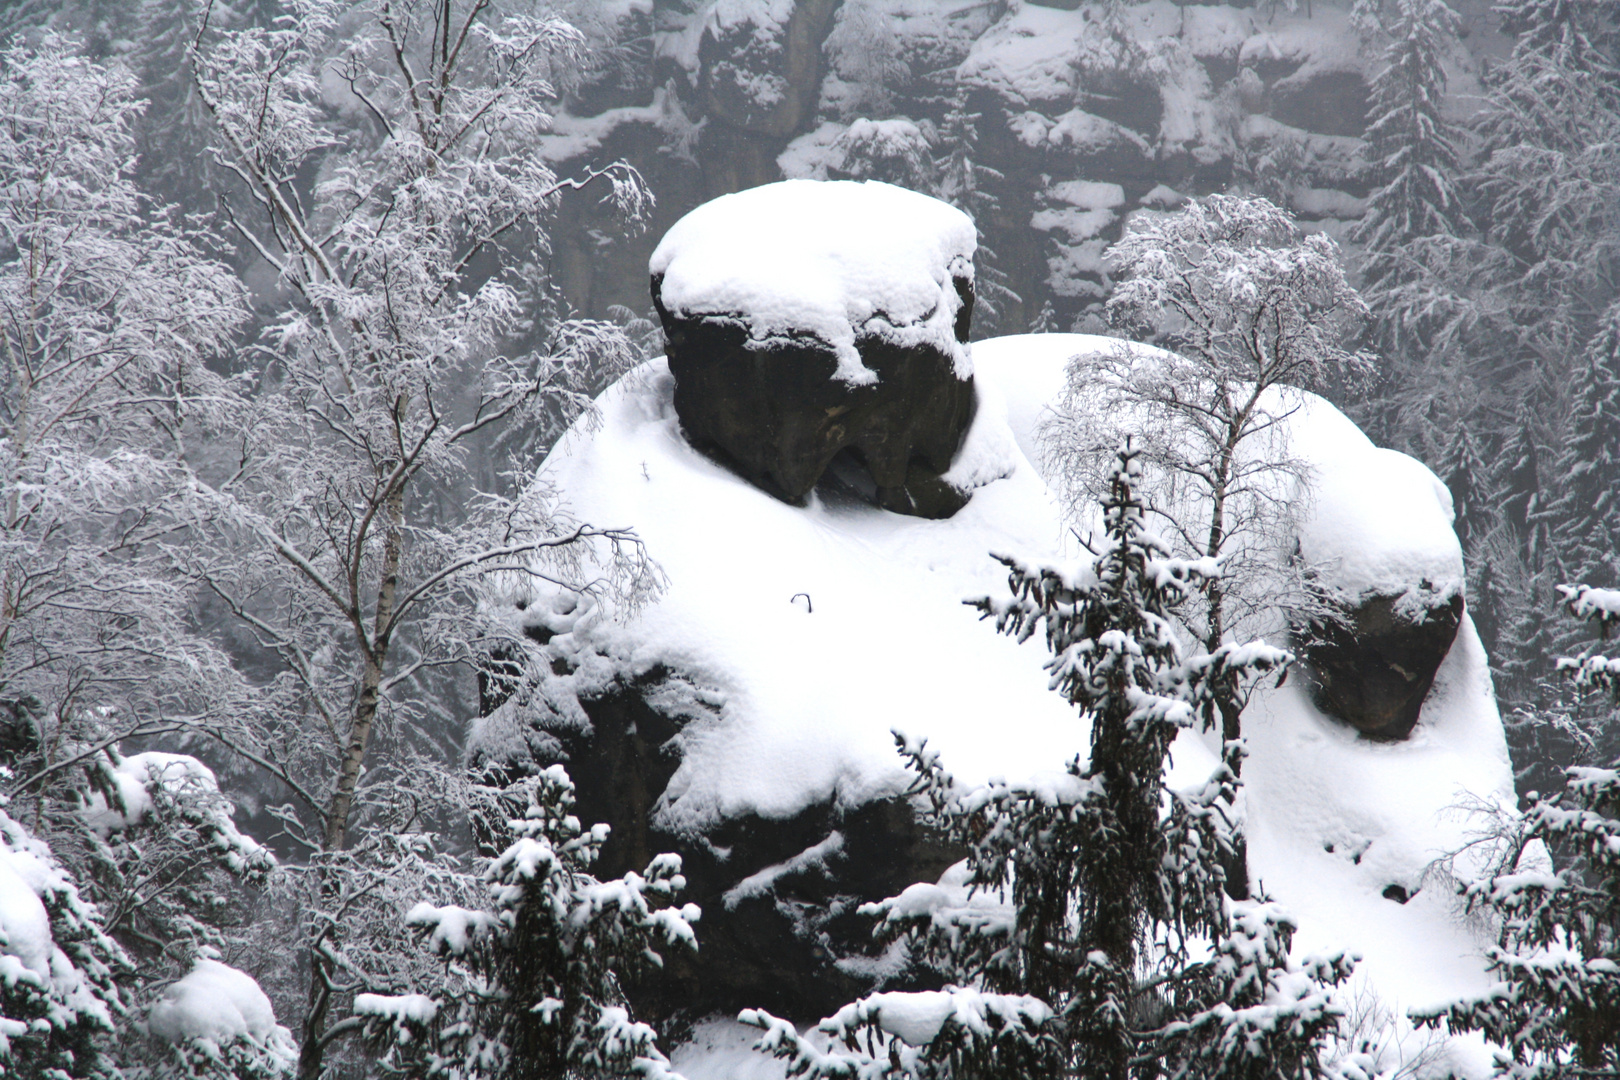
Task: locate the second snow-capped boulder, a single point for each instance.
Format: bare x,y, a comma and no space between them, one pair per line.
1380,532
805,319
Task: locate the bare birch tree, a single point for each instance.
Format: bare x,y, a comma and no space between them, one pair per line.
1250,310
385,174
109,313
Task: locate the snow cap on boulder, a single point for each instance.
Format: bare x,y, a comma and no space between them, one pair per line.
839,259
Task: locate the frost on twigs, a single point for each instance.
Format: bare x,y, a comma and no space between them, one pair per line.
1252,311
531,982
381,163
1554,1009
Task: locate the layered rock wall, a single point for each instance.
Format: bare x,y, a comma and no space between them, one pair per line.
1164,100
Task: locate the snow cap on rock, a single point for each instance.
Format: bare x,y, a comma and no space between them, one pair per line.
1386,528
868,258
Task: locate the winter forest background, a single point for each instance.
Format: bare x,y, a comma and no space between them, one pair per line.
296,296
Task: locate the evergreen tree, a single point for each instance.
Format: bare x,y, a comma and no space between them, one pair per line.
1113,877
1251,311
59,996
1549,182
1585,510
1414,214
1045,320
531,982
1468,478
1484,598
1555,1009
1522,499
1412,147
963,182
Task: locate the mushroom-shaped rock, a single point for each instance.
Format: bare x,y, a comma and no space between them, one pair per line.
1380,530
808,318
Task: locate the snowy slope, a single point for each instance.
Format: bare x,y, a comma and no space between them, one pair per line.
810,696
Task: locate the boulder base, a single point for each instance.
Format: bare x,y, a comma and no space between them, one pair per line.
780,930
773,411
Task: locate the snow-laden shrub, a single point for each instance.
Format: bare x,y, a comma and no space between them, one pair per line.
531,982
220,1025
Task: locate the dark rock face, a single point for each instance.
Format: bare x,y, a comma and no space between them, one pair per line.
789,940
774,413
1327,102
757,82
1374,673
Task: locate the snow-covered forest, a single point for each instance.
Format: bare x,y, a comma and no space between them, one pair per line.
1120,594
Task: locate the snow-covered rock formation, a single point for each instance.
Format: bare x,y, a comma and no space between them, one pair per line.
744,717
1384,542
804,319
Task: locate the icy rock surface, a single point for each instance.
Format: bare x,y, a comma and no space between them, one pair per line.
814,631
805,318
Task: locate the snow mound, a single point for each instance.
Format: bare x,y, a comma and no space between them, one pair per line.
722,1049
214,1001
838,259
1386,526
25,925
807,692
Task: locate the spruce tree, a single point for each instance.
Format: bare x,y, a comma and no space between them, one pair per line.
1414,218
1522,499
1585,510
1468,479
1412,148
1090,890
532,980
1555,1008
965,182
1549,178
